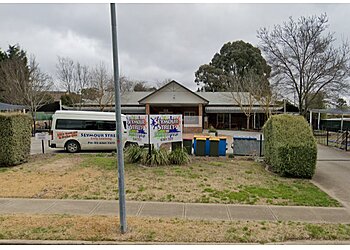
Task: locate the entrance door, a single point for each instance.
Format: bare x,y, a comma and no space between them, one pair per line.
223,121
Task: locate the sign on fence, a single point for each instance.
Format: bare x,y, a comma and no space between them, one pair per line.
137,128
165,128
42,136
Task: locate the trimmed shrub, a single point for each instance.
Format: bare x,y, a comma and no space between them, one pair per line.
15,139
290,147
179,157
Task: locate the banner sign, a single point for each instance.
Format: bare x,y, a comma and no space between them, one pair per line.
165,128
137,128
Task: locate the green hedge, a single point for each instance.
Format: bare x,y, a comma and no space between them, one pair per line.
290,147
15,137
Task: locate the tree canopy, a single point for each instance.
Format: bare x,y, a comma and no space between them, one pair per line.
14,71
341,103
304,60
235,59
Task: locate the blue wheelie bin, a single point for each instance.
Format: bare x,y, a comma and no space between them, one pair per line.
222,146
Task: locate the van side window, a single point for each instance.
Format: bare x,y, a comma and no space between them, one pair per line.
70,124
90,125
106,125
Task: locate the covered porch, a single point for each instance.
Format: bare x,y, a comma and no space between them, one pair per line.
233,118
173,98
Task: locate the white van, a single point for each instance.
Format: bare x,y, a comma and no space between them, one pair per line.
85,130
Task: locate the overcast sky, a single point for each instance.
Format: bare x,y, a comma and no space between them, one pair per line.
156,41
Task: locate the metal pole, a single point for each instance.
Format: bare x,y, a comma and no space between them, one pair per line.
327,136
254,120
260,148
119,133
42,146
311,119
346,139
341,122
149,136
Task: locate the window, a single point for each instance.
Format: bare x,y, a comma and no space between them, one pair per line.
90,125
189,113
106,125
69,124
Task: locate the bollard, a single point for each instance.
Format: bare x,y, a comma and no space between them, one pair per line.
260,149
346,139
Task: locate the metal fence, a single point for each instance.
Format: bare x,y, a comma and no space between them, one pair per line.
340,139
250,146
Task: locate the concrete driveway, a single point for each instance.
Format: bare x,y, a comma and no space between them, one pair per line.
36,147
333,173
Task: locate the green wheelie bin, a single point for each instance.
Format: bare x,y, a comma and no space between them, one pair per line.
200,146
214,146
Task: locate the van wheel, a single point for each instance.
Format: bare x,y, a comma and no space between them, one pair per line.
72,147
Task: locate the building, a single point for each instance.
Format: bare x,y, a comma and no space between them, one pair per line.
222,110
6,107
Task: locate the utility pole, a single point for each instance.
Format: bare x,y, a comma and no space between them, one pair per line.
119,132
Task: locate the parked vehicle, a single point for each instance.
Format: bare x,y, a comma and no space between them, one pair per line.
85,130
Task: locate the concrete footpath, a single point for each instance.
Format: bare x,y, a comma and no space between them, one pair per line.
333,173
176,210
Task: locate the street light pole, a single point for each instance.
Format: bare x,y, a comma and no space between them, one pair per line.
119,132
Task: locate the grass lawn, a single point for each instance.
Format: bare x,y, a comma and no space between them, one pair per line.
103,228
205,180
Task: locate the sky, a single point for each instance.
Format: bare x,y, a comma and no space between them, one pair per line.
156,41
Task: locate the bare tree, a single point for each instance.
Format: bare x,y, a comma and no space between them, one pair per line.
242,88
161,83
35,95
102,81
65,70
264,94
304,60
82,79
126,85
266,100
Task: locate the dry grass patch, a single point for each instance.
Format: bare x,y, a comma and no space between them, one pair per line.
103,228
51,176
204,180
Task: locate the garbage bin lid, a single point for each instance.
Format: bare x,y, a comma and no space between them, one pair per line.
201,138
214,139
222,137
